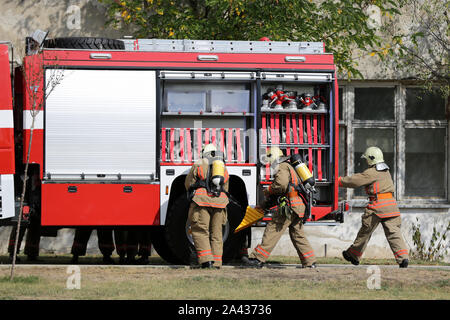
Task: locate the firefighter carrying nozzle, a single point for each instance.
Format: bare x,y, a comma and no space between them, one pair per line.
291,209
303,188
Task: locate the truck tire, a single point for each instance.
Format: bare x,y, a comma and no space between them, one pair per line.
85,43
158,240
178,237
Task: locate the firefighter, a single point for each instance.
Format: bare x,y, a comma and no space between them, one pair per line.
131,242
290,213
126,245
382,208
105,243
31,243
144,245
207,185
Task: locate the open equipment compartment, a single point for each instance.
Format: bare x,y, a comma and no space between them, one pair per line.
297,116
217,108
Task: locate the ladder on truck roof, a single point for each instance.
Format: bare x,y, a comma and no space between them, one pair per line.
224,46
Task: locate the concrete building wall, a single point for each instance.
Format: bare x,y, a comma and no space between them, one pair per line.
19,18
327,241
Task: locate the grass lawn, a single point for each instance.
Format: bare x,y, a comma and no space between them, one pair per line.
166,283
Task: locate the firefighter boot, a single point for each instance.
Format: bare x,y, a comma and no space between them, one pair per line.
131,260
312,266
252,262
349,258
207,265
108,260
193,260
74,259
11,257
32,257
143,260
404,263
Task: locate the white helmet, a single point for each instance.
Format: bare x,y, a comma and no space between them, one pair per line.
373,155
274,154
208,150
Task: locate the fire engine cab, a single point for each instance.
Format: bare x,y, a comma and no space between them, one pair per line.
112,128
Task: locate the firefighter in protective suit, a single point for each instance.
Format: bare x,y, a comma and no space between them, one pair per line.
382,208
283,187
207,185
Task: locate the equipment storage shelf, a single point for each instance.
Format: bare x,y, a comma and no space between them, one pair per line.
294,111
296,116
208,114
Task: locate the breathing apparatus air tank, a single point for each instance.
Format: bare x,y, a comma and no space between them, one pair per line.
217,176
303,172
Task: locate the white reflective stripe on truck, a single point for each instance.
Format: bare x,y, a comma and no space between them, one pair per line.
28,120
7,196
6,119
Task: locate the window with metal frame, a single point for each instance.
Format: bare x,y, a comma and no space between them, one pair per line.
410,126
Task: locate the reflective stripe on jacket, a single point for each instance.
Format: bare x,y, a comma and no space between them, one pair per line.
380,189
283,184
199,171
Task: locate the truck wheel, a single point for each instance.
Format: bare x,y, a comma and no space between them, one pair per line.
180,240
159,242
85,43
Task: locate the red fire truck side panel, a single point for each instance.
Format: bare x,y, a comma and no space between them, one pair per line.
6,114
6,151
33,80
188,60
100,204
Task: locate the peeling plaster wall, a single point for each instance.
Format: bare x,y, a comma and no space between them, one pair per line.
62,18
340,237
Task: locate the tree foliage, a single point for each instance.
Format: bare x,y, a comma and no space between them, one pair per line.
341,24
422,50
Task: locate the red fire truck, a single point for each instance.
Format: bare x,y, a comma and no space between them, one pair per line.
116,125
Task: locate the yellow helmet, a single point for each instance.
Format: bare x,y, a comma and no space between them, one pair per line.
208,150
274,154
373,155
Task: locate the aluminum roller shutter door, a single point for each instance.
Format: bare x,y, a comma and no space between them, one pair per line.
101,122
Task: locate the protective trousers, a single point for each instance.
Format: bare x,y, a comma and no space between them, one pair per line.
81,239
391,226
33,238
206,227
132,241
273,232
126,243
